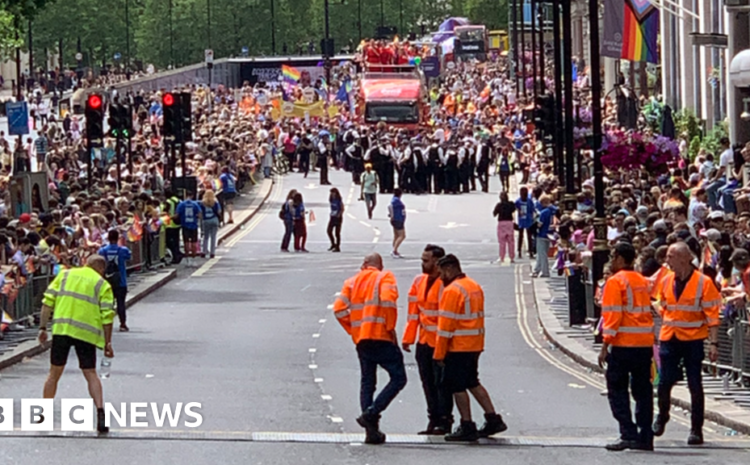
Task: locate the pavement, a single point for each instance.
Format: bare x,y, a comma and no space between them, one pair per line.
20,345
577,342
251,336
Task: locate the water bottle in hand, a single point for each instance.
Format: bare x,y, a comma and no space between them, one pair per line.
105,367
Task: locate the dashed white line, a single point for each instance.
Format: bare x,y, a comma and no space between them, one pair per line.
316,335
306,288
322,320
312,350
364,223
335,419
375,240
351,216
318,380
377,232
326,397
330,307
312,366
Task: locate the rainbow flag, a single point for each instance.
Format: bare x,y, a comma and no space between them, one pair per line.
640,31
291,74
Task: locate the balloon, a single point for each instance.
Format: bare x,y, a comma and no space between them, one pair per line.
417,60
412,61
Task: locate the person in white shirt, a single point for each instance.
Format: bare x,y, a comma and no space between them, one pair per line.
720,178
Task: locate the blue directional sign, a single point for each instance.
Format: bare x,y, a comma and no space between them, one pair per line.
118,55
18,118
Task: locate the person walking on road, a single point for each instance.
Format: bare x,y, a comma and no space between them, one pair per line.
546,215
504,212
526,223
369,190
287,216
173,226
690,315
228,192
324,152
628,329
397,214
189,213
300,227
304,150
210,213
116,273
367,310
424,305
335,220
82,303
459,342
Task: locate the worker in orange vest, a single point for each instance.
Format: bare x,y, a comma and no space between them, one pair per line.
459,342
628,329
690,314
367,310
424,302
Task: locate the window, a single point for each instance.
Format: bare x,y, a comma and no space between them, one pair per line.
392,112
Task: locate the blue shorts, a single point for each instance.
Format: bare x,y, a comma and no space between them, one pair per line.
397,225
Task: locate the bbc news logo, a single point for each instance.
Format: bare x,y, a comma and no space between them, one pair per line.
80,415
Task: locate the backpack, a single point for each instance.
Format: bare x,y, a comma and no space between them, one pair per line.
282,212
112,272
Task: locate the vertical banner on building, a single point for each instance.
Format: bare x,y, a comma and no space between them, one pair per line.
613,23
631,28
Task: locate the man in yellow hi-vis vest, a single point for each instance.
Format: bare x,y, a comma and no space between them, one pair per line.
81,303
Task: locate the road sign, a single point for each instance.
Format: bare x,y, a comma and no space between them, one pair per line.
118,55
245,51
18,118
79,56
209,55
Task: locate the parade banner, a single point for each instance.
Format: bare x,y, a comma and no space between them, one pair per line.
614,13
301,110
631,28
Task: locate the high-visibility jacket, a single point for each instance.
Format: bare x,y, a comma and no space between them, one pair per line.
424,304
172,203
367,306
696,310
82,303
460,319
626,310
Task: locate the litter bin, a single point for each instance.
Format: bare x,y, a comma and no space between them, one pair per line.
576,297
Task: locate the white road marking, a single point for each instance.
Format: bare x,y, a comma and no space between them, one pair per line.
322,320
312,350
377,232
316,335
330,307
318,380
312,366
326,397
364,223
351,216
205,267
432,204
335,419
375,240
306,288
453,225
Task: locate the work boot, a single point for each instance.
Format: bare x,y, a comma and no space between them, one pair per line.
430,430
620,445
660,425
695,438
443,426
100,423
371,423
466,432
493,424
375,438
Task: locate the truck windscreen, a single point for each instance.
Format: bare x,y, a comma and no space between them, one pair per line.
392,112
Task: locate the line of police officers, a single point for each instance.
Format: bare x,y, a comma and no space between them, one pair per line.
425,164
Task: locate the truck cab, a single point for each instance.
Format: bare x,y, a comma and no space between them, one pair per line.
393,94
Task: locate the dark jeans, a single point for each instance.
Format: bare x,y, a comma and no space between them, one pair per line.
304,163
120,294
691,354
530,233
439,401
631,365
371,200
334,230
288,228
173,244
505,180
387,355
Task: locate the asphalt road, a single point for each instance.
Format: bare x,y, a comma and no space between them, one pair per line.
250,336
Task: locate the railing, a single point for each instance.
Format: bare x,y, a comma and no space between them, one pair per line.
147,253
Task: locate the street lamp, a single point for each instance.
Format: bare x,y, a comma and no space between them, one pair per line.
558,148
569,199
208,22
273,28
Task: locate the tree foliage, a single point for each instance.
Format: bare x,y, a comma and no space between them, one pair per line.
176,32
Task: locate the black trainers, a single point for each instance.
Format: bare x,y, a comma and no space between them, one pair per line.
466,432
660,425
368,421
620,445
376,437
493,424
100,422
695,438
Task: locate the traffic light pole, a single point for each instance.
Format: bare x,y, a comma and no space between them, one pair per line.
90,153
118,150
570,199
558,133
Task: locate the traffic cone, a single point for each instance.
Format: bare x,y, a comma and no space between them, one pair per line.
312,216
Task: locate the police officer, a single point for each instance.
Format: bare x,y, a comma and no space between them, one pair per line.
690,315
628,349
451,170
420,162
435,163
484,160
465,154
355,154
82,303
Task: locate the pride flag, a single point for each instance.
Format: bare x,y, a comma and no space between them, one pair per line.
640,31
291,74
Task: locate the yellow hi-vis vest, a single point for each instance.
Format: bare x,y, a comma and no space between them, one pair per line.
172,203
82,303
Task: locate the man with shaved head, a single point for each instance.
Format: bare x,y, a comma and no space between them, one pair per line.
367,310
690,314
81,303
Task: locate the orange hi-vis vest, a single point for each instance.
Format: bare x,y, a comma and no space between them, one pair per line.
656,282
626,310
696,310
424,304
461,318
367,307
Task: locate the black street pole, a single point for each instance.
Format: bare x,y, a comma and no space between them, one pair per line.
127,38
401,17
61,60
542,55
273,28
171,36
359,18
601,251
523,49
533,49
118,151
557,61
32,70
570,199
382,14
327,52
516,56
208,22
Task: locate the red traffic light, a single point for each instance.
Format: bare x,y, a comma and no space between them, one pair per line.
168,100
94,102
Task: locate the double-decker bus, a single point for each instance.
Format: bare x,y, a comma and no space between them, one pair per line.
471,42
